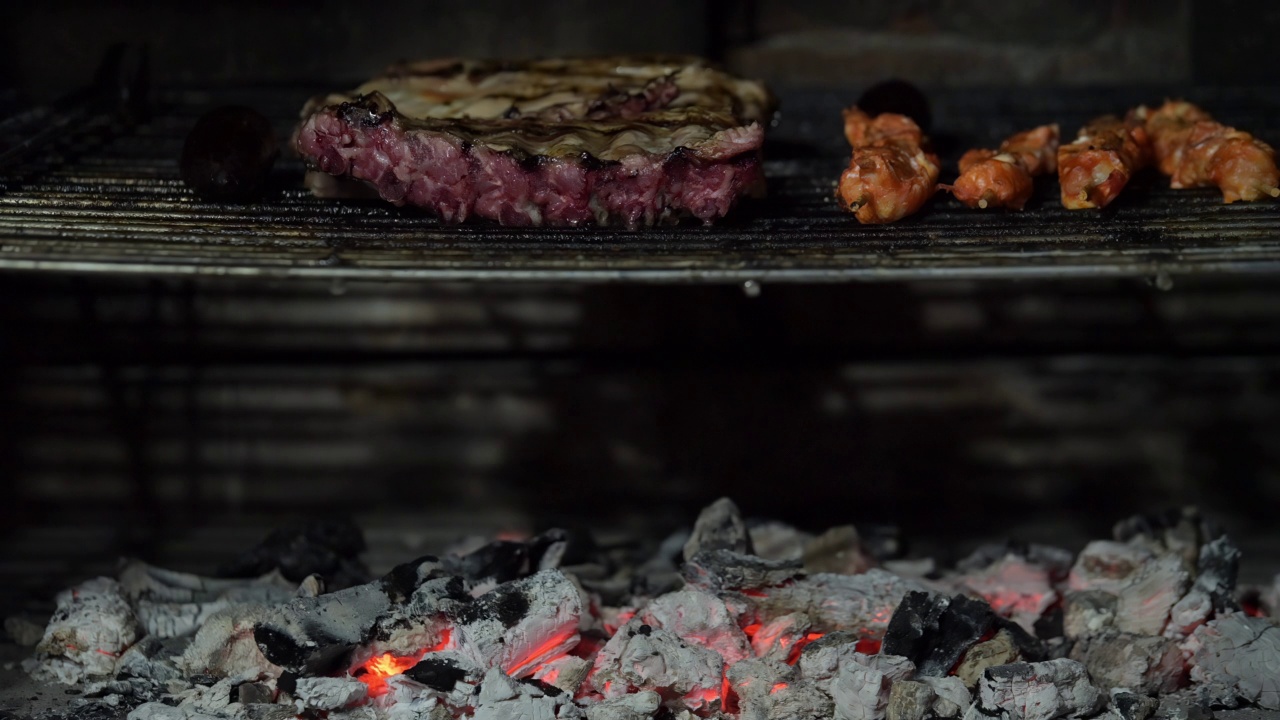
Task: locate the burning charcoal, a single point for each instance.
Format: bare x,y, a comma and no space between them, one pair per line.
141,581
636,706
999,650
328,548
1056,561
1014,587
557,548
1088,613
421,623
641,657
1213,590
329,693
1146,585
728,571
823,661
1181,531
212,699
838,550
719,527
1147,665
951,696
441,671
1188,704
860,692
521,624
769,690
501,698
90,627
1038,691
161,711
1132,706
1239,652
779,637
565,672
773,540
311,634
699,617
910,700
861,604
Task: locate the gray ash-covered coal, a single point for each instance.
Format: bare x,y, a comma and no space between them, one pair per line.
734,619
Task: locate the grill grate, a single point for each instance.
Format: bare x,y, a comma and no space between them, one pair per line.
103,197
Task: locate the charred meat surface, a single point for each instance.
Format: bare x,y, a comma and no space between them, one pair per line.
630,141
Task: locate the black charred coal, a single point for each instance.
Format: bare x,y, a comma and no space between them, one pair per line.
500,561
725,570
403,579
882,542
1133,706
287,682
253,693
507,604
1050,625
1157,525
328,548
547,688
1216,572
439,674
558,547
279,647
934,631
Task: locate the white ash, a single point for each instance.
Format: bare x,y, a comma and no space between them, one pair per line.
699,617
861,604
915,568
321,628
1039,691
951,697
210,699
636,706
91,626
501,698
161,711
719,527
149,659
521,623
772,690
1088,613
1146,585
329,693
641,657
225,646
823,660
773,540
1214,586
1238,652
565,672
728,571
1144,664
141,581
999,650
838,550
910,700
1057,561
859,693
777,638
1014,587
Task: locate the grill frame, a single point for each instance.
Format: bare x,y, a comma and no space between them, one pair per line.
103,196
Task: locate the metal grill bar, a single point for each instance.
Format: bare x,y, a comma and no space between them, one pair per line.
106,198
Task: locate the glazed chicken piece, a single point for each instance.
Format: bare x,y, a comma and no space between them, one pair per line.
1196,151
1097,166
890,174
1004,177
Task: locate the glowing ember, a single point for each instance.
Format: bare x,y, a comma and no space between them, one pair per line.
375,671
868,646
777,688
794,656
544,653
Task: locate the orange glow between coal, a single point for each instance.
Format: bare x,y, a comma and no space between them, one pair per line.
539,655
378,669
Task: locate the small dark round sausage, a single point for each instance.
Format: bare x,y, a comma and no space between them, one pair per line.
897,96
228,154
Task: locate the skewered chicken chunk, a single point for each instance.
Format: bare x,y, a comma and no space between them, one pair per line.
1097,166
1196,151
890,175
1004,177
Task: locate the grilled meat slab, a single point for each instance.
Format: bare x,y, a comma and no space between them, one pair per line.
631,141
